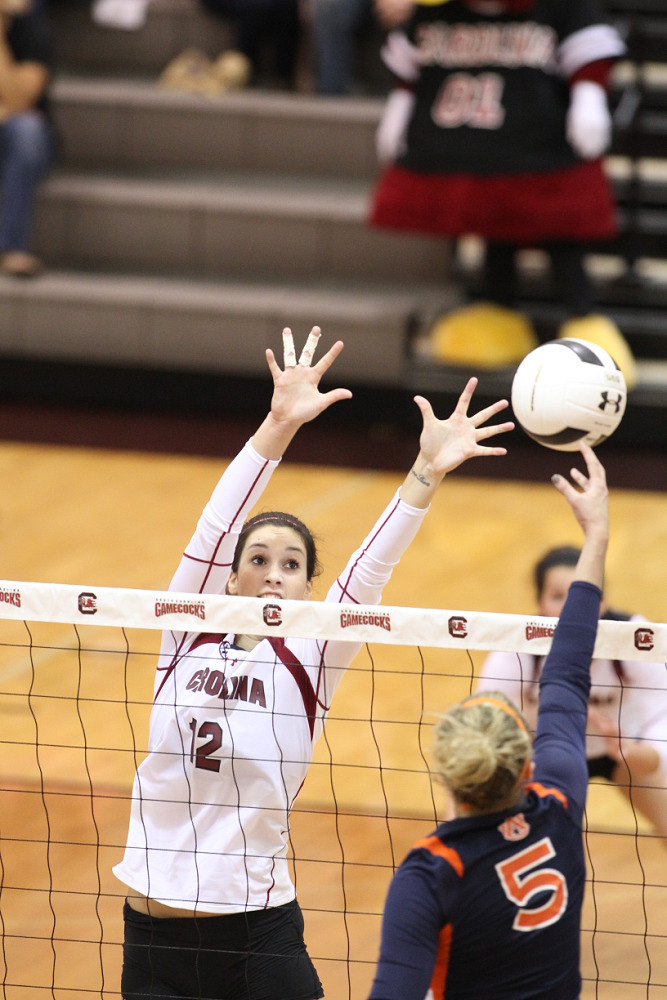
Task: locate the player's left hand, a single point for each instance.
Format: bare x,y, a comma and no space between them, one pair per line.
446,444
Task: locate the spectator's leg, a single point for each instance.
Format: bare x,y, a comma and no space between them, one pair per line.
27,148
498,284
568,264
335,24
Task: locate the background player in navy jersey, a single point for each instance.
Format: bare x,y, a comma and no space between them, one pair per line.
627,708
211,910
489,905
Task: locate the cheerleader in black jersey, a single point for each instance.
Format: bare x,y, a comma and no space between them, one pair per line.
496,128
489,905
211,911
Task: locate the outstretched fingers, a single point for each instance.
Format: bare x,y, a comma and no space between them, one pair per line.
586,494
306,356
328,359
492,430
307,353
289,353
565,487
485,414
465,397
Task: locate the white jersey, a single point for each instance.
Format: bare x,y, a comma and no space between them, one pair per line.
632,694
232,732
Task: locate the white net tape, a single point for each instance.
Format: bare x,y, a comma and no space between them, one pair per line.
445,629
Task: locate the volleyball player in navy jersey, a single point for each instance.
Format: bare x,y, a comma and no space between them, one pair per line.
489,905
211,910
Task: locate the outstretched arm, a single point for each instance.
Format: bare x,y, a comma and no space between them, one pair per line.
589,503
296,396
446,444
560,744
296,399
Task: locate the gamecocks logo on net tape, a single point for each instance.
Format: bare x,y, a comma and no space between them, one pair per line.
87,603
272,614
644,638
458,627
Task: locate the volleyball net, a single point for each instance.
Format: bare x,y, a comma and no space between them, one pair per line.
76,686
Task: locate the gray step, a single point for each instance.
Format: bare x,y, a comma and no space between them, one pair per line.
127,123
239,225
163,325
170,27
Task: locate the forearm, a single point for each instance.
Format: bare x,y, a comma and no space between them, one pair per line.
207,558
560,743
639,758
565,679
420,484
273,436
590,567
369,568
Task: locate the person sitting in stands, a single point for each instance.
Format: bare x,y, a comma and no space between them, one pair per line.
26,134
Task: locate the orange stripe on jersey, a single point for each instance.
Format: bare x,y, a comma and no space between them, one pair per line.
435,846
542,791
439,977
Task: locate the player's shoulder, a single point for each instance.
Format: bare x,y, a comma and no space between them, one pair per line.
436,848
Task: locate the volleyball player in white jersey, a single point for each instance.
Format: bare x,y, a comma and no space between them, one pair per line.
211,911
627,707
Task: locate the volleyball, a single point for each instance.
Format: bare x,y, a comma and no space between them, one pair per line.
567,391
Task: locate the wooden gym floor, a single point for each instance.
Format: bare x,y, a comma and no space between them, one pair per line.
113,516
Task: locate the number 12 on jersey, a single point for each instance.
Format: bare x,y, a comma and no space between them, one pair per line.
200,756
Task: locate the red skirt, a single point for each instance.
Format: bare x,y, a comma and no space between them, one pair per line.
574,203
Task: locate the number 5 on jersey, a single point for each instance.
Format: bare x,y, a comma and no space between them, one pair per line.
521,881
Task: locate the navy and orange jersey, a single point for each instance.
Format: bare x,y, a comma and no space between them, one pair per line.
490,906
492,91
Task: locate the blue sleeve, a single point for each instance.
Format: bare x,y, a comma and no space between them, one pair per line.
560,743
412,921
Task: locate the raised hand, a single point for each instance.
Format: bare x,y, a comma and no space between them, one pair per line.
446,444
296,395
588,497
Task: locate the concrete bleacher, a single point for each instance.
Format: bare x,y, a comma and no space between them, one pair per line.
181,232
